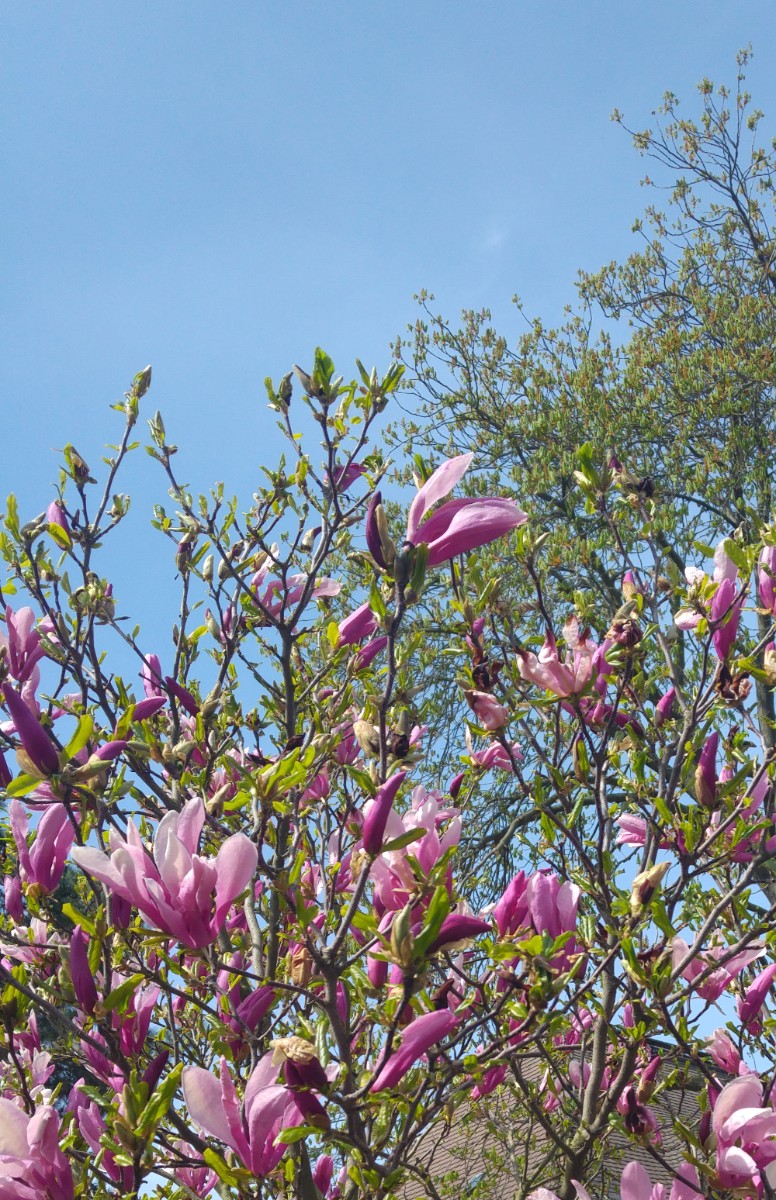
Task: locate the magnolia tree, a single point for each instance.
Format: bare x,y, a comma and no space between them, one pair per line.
233,913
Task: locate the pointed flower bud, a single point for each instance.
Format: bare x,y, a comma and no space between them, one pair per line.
81,973
377,812
645,885
706,772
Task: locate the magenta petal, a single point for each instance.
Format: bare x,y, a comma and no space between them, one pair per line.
378,811
33,737
419,1035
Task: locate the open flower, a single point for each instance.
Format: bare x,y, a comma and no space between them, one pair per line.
32,1166
459,525
249,1129
177,891
564,676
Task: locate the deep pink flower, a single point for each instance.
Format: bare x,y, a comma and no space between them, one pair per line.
36,742
724,615
177,891
459,525
746,1134
487,711
22,644
706,772
766,578
717,980
377,811
416,1039
43,862
750,1004
359,624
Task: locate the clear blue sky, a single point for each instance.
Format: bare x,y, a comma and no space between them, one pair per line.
217,187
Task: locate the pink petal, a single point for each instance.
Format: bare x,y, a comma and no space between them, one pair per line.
439,485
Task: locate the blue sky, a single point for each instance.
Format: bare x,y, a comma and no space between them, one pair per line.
217,187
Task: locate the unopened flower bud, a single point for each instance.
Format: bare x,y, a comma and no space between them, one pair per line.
645,885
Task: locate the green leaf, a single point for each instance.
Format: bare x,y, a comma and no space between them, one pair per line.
22,785
78,918
81,736
404,839
120,995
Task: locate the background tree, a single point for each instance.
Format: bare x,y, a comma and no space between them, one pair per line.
666,366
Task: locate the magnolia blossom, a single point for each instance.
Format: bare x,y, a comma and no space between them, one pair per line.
458,525
564,676
250,1128
746,1134
43,862
177,891
439,828
716,980
32,1165
416,1039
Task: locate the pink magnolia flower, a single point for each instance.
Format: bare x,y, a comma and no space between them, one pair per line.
766,578
715,981
359,624
377,812
564,677
36,742
278,596
177,891
43,862
725,1054
746,1134
706,772
440,828
250,1128
458,525
32,1166
750,1004
724,616
22,643
416,1039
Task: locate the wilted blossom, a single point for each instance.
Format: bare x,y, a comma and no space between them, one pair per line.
487,711
566,676
250,1128
746,1135
458,525
416,1039
177,891
32,1165
43,862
